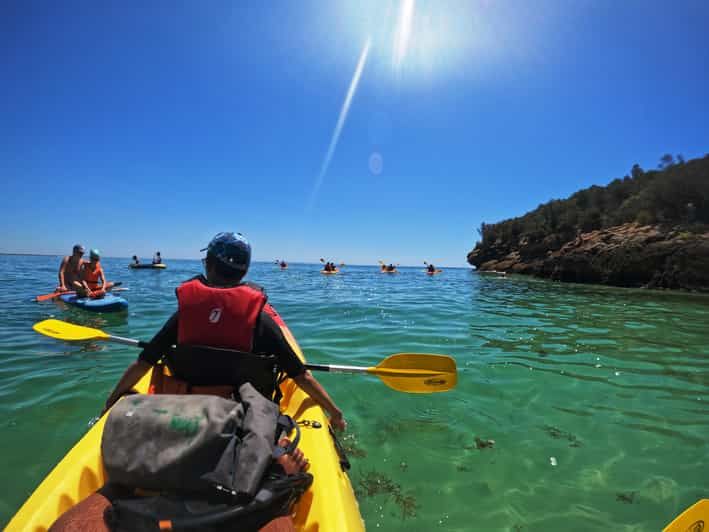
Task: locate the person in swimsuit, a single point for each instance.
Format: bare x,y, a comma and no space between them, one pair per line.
70,269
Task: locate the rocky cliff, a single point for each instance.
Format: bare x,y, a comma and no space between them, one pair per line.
629,255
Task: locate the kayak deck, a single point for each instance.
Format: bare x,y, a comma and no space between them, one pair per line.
328,505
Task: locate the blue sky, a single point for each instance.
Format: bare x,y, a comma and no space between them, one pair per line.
135,126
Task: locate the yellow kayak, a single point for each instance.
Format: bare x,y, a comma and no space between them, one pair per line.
331,272
692,519
329,504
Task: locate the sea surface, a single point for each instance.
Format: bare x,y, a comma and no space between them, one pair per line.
597,398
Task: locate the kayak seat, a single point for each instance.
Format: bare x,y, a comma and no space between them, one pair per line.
200,367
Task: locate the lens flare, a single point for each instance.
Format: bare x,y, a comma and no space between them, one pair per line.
403,32
376,163
340,121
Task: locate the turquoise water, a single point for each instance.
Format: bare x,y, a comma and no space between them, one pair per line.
612,384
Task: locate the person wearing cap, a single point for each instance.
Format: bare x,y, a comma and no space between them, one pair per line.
70,269
220,311
92,281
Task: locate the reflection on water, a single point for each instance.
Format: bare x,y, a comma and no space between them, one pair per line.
593,397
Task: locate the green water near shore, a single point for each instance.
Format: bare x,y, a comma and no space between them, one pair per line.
612,384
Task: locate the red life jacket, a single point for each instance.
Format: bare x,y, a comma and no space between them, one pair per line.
92,275
218,317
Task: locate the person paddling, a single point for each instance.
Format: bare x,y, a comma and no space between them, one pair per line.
431,268
157,259
92,281
136,261
70,269
220,311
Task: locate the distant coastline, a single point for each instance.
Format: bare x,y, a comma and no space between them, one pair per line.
649,229
32,254
314,263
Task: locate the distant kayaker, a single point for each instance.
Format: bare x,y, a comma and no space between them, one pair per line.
135,260
391,268
157,259
220,311
283,264
92,281
431,268
70,269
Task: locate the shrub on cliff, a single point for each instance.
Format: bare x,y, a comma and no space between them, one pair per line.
678,193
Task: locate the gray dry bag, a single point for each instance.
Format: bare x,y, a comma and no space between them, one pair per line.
190,442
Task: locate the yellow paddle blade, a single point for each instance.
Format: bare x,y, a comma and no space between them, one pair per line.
417,373
693,518
68,331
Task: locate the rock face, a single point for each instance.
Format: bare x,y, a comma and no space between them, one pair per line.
626,255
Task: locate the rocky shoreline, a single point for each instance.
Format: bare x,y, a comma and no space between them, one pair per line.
629,255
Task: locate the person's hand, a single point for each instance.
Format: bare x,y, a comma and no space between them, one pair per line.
338,421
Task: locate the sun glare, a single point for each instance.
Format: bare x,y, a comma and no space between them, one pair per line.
403,32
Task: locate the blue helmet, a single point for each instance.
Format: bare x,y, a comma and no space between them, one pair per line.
232,249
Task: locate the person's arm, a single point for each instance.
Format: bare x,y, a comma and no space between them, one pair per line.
62,269
130,377
148,357
82,279
314,389
104,282
269,339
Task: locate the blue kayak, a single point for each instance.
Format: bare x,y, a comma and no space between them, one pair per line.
108,303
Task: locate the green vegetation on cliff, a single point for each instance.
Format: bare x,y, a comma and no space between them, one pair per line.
675,194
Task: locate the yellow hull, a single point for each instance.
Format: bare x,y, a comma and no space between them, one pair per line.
329,504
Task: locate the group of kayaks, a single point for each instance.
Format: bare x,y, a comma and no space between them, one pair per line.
330,268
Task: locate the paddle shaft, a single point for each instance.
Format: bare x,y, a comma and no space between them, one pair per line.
392,372
404,372
127,341
333,368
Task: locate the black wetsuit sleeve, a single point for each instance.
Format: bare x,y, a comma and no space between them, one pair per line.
161,342
268,338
